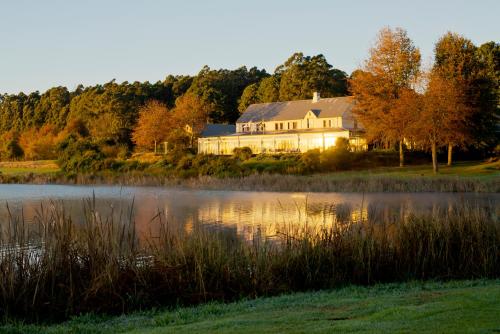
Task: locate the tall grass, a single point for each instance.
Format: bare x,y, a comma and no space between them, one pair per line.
275,182
53,268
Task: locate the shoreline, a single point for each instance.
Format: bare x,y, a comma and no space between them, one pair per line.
368,183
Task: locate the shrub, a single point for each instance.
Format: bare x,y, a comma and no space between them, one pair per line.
220,167
242,153
13,151
80,155
186,162
311,160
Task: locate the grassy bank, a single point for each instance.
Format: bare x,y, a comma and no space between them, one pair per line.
462,177
39,167
53,268
416,307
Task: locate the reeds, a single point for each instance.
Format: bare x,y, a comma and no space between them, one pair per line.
274,182
54,268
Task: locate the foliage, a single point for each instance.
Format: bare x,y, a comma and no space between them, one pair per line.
301,75
311,160
242,153
444,114
384,88
39,144
154,124
222,89
79,155
13,151
192,112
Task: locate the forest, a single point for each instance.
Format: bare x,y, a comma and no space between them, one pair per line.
32,126
452,105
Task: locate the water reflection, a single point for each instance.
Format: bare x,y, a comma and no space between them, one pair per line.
247,214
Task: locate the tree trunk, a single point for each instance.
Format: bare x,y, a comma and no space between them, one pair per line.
450,153
155,147
401,154
434,158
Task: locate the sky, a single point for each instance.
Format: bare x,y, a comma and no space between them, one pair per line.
69,42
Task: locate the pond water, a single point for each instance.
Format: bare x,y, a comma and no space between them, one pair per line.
249,214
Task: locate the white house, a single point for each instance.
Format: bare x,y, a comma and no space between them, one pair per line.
292,126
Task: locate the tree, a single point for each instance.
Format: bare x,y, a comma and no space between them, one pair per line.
52,108
269,89
154,124
384,85
223,88
443,114
487,82
248,97
190,110
455,60
301,76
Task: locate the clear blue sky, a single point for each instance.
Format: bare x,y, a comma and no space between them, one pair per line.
66,42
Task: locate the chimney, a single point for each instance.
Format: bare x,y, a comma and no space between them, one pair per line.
316,97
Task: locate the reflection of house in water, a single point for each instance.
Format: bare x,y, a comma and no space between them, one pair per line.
261,218
292,126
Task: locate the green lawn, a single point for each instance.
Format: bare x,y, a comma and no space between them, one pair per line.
453,307
461,169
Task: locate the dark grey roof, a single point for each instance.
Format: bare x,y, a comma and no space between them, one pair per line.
214,130
281,111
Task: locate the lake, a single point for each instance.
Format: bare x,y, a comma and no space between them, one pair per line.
249,214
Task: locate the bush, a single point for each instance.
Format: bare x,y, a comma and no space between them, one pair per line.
311,160
13,151
242,153
80,155
338,157
220,167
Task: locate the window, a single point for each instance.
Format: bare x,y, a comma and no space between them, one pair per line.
324,123
275,126
281,126
330,123
294,124
288,125
308,123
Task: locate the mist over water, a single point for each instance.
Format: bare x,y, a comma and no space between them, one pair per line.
246,213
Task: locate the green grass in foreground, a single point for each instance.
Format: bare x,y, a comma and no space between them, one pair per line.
452,307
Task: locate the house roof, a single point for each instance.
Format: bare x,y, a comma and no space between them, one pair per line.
290,110
213,130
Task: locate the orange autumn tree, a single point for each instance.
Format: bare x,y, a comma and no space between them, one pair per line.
190,115
40,144
455,60
383,88
443,115
153,126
